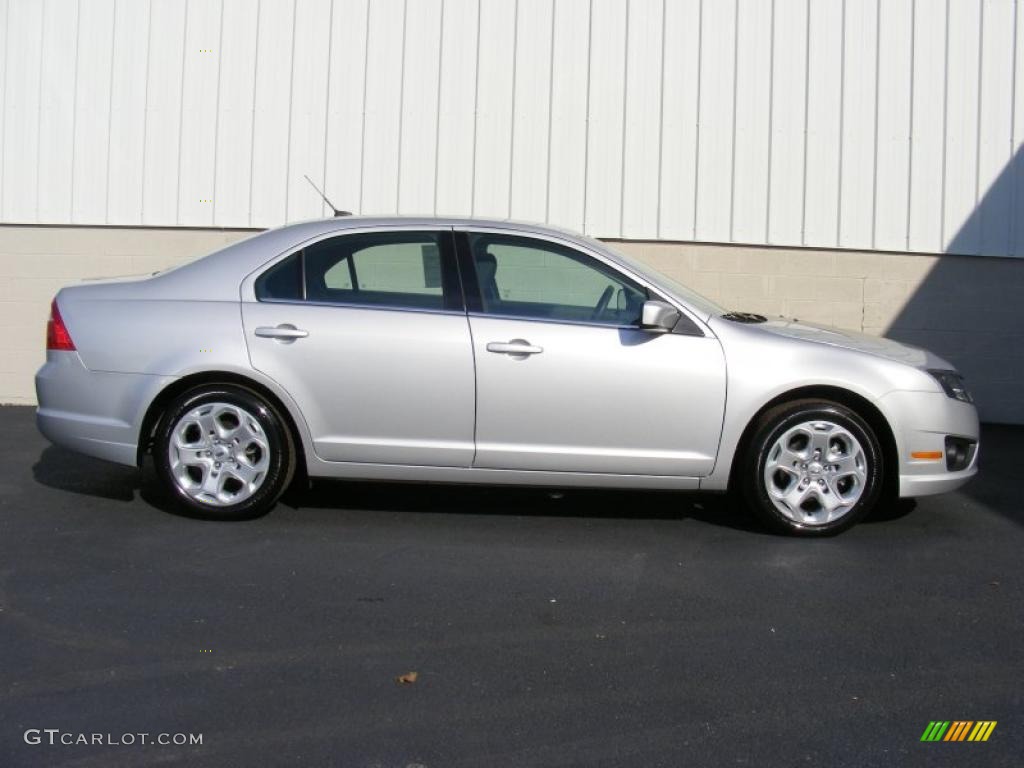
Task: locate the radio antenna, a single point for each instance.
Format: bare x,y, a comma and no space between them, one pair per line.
329,203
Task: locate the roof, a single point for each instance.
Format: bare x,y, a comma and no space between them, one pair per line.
216,276
319,226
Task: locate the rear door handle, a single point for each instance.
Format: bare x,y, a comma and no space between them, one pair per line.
516,348
286,332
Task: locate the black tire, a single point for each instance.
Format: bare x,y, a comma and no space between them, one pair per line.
770,427
278,475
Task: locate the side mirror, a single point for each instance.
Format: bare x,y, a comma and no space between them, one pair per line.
659,317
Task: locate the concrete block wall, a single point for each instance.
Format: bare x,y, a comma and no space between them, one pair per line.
967,309
848,289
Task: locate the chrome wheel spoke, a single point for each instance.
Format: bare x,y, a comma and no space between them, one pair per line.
849,465
205,420
249,429
820,438
243,472
828,500
794,498
210,485
788,461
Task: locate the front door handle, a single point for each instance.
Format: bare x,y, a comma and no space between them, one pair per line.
286,332
516,348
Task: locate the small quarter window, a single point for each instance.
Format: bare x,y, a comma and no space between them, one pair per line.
282,282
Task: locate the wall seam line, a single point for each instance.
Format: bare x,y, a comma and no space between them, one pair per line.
110,118
401,108
74,113
252,116
661,121
181,113
842,128
291,111
39,105
216,117
807,110
696,139
3,101
437,110
512,116
476,110
874,148
1011,235
145,115
327,106
771,126
980,220
625,123
910,127
735,90
362,124
551,102
586,121
945,121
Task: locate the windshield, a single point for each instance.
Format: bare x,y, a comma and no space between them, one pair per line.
699,303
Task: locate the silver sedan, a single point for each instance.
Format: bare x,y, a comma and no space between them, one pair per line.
471,351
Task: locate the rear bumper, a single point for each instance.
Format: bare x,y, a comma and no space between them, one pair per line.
922,421
93,412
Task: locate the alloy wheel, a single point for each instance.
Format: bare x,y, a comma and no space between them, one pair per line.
219,453
815,472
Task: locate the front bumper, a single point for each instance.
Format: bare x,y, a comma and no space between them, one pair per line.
921,422
97,413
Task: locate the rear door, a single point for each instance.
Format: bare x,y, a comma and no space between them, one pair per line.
567,381
367,332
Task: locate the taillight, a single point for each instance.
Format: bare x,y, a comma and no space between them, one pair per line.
57,336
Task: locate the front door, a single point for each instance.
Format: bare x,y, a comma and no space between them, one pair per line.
368,333
566,380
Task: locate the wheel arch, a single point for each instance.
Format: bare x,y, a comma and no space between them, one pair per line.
855,402
177,387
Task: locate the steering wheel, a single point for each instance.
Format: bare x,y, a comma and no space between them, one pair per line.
602,303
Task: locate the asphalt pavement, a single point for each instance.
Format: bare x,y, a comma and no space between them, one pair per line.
584,629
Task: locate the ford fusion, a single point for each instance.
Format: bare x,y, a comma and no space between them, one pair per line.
473,351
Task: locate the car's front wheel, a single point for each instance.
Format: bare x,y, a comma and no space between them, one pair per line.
812,468
223,452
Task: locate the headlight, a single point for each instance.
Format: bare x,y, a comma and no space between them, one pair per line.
953,385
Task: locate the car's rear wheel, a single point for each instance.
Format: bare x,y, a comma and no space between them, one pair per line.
223,452
812,468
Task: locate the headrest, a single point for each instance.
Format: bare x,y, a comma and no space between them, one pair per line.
486,266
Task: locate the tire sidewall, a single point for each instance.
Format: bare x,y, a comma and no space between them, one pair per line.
278,441
772,427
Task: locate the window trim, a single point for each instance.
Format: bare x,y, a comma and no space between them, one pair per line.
450,274
352,305
687,326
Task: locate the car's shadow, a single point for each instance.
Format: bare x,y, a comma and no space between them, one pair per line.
517,500
67,471
70,472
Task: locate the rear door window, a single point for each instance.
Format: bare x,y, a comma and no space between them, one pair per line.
400,270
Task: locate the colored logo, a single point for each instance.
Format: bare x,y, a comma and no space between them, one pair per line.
958,730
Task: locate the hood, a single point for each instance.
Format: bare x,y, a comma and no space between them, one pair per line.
858,342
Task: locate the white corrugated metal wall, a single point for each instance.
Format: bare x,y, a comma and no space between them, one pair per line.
834,123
